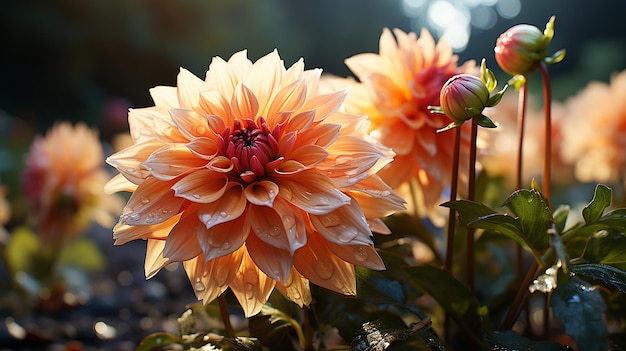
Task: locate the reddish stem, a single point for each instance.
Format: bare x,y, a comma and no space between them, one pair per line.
547,104
471,196
453,192
225,316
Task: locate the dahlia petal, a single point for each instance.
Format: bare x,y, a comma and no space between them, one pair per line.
378,226
375,197
251,286
201,186
274,262
140,122
345,225
318,264
321,135
203,147
243,103
289,98
119,183
166,130
308,155
281,227
211,278
386,94
262,193
154,257
311,192
264,78
215,104
172,160
123,233
300,122
228,207
189,88
153,202
296,289
220,164
362,255
190,123
290,167
294,72
165,97
182,242
224,238
325,104
128,161
312,78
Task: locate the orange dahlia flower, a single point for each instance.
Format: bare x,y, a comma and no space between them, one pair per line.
254,180
395,89
63,180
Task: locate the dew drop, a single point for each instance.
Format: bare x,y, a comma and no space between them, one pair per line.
146,132
134,216
250,279
223,214
530,199
195,196
296,296
200,130
330,220
360,253
150,218
199,286
165,211
226,245
385,193
323,269
221,275
275,230
144,201
130,170
347,233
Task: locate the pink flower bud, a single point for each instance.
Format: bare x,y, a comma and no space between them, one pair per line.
463,96
520,49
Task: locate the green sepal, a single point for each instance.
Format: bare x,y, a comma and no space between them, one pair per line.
517,81
556,57
487,76
495,99
484,121
548,33
436,109
450,126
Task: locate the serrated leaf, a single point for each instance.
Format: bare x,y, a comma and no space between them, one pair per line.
454,297
608,274
375,287
534,215
579,306
158,341
510,341
601,200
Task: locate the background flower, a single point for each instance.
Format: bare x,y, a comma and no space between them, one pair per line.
395,88
62,181
253,179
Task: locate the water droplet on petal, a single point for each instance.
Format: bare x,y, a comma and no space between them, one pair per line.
360,253
347,233
226,245
323,269
199,286
134,216
150,218
144,201
385,193
296,296
200,130
275,230
330,220
223,214
130,170
250,279
195,196
221,275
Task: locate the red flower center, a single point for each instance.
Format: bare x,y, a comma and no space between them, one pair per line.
252,148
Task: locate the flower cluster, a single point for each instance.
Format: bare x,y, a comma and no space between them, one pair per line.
254,179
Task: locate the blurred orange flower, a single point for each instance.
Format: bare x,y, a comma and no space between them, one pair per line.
63,180
254,180
395,89
594,131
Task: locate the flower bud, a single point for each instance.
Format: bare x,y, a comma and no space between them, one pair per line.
520,49
463,96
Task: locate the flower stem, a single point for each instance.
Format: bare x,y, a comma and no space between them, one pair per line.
547,104
225,316
520,298
521,116
471,196
453,191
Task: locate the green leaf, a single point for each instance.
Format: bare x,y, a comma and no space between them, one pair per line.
601,200
468,211
454,297
275,328
609,250
579,306
560,217
22,247
534,215
613,222
387,332
608,274
510,341
375,287
242,343
158,341
83,253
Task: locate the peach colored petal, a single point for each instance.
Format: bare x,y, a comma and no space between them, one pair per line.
119,183
224,238
153,202
321,135
261,193
274,262
123,233
215,104
182,243
191,124
166,130
203,147
228,207
378,226
211,278
362,64
290,98
300,122
243,103
251,286
128,161
220,164
165,97
171,161
189,89
312,192
154,257
290,167
296,289
308,155
264,79
325,104
202,186
281,227
345,225
318,264
362,255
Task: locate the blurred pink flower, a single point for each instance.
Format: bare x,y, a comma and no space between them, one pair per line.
254,180
63,180
395,88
